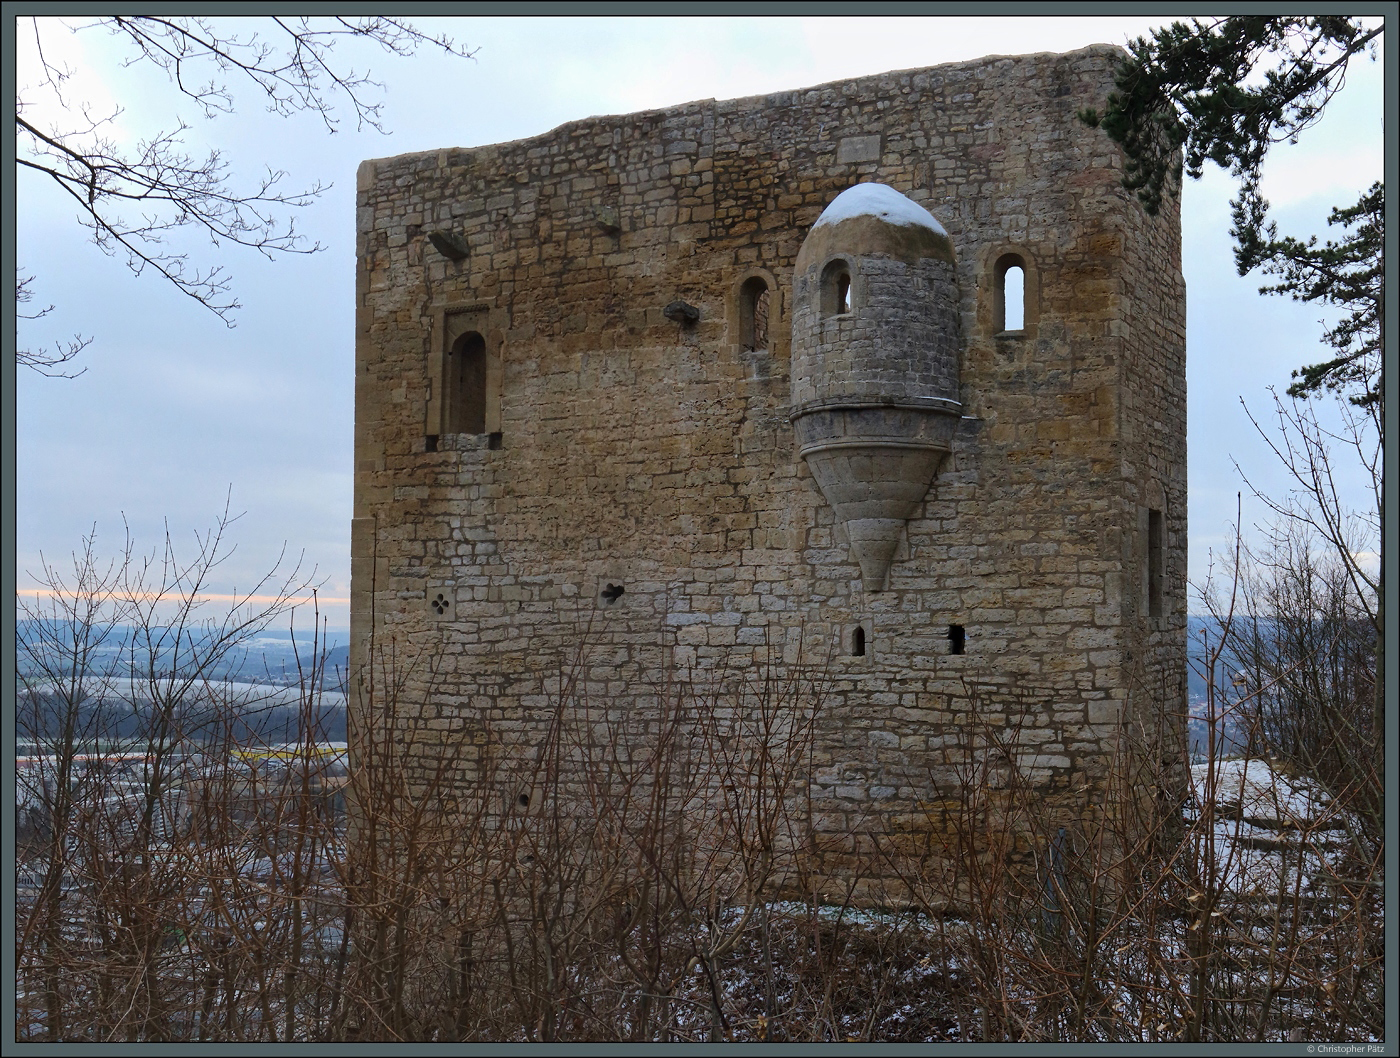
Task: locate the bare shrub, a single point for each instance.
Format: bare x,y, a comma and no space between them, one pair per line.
1241,918
646,873
586,880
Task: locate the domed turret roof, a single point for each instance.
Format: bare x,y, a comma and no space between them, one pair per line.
878,200
875,219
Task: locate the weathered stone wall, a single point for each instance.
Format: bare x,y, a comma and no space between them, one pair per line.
625,448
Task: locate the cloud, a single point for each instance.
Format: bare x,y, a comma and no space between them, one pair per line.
1292,177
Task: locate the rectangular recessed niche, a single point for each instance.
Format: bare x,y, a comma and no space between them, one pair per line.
465,382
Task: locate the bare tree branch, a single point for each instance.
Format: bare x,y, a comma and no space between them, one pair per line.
132,198
45,361
1303,447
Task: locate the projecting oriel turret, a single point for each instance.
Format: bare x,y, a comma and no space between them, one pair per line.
875,363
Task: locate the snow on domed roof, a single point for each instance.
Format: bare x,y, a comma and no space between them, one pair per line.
878,200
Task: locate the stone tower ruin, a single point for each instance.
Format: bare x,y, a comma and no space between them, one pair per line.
883,378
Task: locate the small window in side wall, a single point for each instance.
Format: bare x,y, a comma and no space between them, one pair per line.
1010,293
836,289
957,639
466,385
754,302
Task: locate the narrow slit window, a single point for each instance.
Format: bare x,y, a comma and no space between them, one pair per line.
957,639
858,642
754,301
1154,563
466,385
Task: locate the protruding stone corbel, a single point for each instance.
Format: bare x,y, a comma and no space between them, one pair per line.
608,220
449,244
681,313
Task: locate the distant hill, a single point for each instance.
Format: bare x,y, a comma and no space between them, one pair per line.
121,708
271,656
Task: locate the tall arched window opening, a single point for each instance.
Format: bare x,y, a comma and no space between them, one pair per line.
754,302
466,385
1010,310
1014,291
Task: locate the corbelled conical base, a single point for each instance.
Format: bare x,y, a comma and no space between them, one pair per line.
874,461
874,488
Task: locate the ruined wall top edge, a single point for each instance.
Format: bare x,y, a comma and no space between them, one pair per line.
998,66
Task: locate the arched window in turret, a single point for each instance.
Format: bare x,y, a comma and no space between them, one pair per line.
836,289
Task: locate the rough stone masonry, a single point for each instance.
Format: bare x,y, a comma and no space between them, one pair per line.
621,397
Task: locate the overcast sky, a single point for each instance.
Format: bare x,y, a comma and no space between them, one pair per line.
176,411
